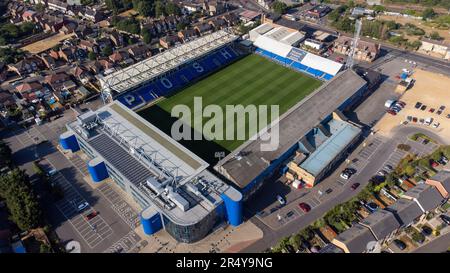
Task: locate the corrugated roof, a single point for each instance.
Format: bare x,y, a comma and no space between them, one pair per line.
344,134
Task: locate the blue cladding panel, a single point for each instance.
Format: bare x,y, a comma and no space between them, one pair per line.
130,100
69,142
234,209
151,225
98,171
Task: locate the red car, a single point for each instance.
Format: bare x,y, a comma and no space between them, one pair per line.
305,207
91,215
355,186
431,110
391,112
434,164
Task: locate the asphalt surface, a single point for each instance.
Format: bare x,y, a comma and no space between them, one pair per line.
438,245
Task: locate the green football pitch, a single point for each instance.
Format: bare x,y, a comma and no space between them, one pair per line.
253,80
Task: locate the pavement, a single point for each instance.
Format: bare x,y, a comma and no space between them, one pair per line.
438,245
115,225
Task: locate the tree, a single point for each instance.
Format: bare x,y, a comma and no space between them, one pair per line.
5,154
145,8
41,7
107,50
21,202
428,13
172,9
279,7
146,36
378,8
181,26
92,56
435,36
159,9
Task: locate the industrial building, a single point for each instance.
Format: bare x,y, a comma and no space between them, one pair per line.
171,184
320,149
248,166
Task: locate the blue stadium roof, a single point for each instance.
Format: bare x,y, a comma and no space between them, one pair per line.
342,134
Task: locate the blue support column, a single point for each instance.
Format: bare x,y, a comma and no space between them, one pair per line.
233,204
68,141
97,169
151,221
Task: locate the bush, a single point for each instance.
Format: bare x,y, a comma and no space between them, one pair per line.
404,147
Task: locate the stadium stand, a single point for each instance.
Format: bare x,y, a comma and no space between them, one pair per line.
175,80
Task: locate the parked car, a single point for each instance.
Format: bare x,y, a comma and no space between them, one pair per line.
442,107
400,244
439,112
414,119
426,231
82,206
445,219
305,207
436,125
409,118
423,107
345,175
388,167
443,160
355,186
418,105
328,191
382,173
52,172
391,112
431,110
434,164
281,200
91,215
402,103
448,115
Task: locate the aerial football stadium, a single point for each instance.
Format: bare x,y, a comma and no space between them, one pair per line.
183,187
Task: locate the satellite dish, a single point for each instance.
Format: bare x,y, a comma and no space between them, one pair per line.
373,247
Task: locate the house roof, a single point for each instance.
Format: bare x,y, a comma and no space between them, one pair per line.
443,177
56,78
405,211
29,86
381,223
356,238
77,71
427,196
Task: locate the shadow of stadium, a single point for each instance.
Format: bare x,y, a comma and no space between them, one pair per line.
205,149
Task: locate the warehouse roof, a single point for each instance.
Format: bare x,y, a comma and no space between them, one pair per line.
246,162
343,133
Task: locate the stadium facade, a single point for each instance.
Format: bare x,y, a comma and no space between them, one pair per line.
171,184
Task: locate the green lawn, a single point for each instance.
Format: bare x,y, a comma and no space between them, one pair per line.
251,80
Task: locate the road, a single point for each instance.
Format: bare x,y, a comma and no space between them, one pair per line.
377,160
438,245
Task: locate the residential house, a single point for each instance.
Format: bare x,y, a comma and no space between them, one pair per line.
58,5
3,71
57,80
267,4
48,60
117,39
106,64
187,35
68,27
94,66
218,23
231,19
119,56
139,51
6,100
426,196
29,15
169,41
53,25
93,14
214,7
30,90
318,11
89,46
405,211
81,74
330,248
68,54
359,11
354,239
26,66
249,16
382,224
103,43
203,28
441,181
365,51
82,31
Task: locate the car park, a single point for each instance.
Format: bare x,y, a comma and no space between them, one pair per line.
400,244
305,207
355,186
281,200
418,105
